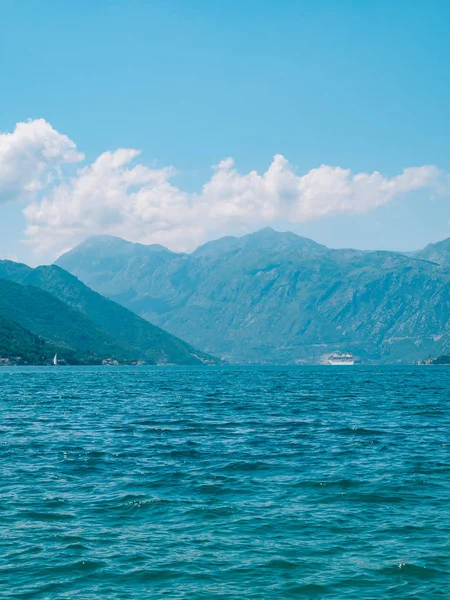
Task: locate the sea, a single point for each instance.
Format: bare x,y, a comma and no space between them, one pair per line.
225,483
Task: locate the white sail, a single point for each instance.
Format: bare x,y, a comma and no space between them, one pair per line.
55,360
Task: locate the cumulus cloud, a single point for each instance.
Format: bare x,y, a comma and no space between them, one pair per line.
118,195
30,157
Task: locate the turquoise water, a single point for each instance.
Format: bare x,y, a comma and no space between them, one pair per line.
329,482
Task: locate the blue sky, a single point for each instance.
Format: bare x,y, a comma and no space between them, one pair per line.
362,86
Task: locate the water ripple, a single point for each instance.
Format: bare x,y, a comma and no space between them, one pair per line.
225,483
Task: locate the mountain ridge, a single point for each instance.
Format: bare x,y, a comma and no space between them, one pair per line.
65,301
43,315
277,297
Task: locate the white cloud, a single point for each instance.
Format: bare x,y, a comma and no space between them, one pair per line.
118,195
30,157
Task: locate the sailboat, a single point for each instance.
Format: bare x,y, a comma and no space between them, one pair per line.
55,360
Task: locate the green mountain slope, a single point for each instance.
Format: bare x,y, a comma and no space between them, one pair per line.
20,345
278,297
47,317
134,336
441,360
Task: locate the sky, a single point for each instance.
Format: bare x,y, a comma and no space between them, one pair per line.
180,121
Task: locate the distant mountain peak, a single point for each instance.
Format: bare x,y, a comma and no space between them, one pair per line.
103,240
105,237
114,241
109,246
439,253
263,239
273,295
282,240
266,231
445,243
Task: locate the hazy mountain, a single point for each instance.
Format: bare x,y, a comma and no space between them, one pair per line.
278,297
124,261
438,253
54,304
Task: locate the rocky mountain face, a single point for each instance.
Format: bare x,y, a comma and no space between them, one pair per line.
277,297
438,253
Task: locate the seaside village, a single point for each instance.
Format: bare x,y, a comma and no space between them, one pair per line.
6,362
106,362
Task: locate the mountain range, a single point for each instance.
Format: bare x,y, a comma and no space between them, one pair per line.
277,297
49,308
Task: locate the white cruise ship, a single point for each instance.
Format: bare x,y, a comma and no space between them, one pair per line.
341,359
